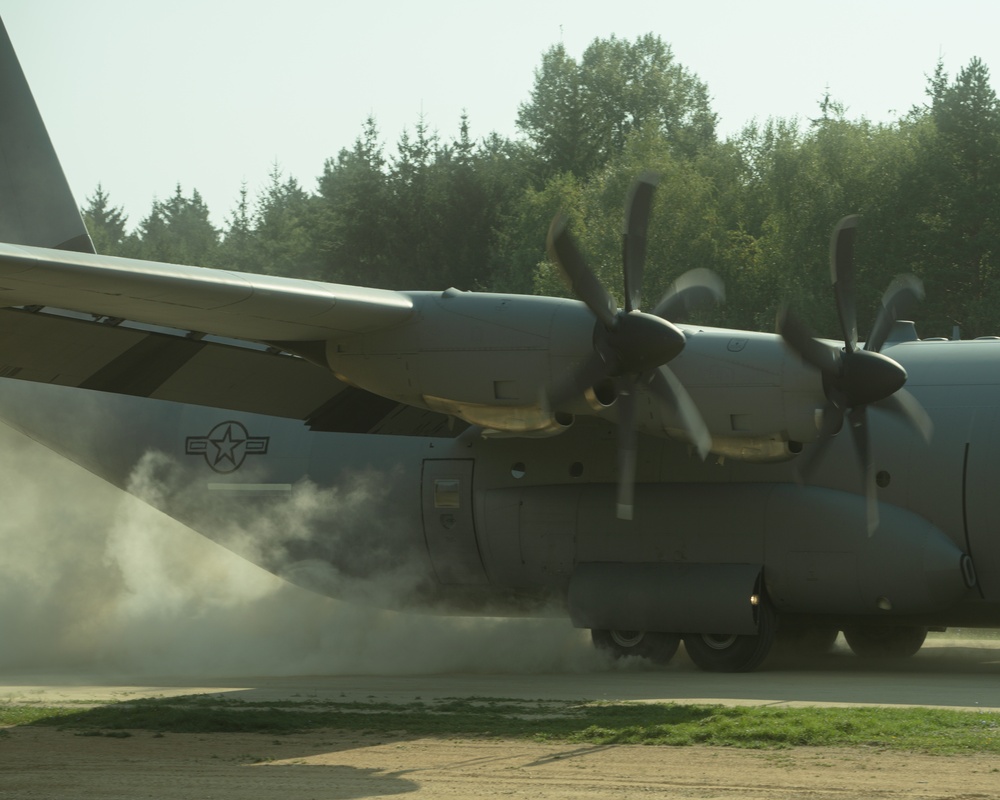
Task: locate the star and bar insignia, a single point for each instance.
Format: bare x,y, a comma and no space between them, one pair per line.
226,446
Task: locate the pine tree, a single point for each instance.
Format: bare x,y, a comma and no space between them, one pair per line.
106,223
177,231
352,212
238,251
284,230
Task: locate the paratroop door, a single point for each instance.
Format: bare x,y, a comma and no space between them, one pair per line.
449,527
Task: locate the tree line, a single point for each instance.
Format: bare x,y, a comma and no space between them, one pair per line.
757,207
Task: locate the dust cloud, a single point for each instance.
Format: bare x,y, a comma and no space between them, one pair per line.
95,582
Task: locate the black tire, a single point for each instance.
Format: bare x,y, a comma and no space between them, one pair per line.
717,652
656,647
885,641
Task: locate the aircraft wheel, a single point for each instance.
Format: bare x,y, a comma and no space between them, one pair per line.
885,641
729,652
657,647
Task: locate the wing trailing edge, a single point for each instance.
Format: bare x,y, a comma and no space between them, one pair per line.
49,347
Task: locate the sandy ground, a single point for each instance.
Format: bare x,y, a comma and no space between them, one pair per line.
45,763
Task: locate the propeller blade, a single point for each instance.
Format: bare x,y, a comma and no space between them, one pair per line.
626,451
583,282
858,423
638,205
832,422
842,275
905,406
692,289
629,345
671,392
573,385
800,339
855,379
899,300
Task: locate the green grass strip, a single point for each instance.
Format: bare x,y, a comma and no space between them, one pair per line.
26,715
914,729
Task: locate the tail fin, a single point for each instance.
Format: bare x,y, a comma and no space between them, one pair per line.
36,205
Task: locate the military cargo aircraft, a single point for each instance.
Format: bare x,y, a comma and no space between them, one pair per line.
655,480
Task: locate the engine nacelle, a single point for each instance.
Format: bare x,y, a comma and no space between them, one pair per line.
489,358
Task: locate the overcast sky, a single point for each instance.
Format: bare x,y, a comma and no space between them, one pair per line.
140,96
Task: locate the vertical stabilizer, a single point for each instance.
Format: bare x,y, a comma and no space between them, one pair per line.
36,205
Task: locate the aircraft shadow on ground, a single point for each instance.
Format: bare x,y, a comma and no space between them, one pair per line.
952,659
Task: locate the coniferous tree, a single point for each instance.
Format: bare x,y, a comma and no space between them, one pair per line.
105,223
352,213
178,231
283,233
414,232
238,251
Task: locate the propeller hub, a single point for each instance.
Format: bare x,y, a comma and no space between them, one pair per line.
641,342
867,377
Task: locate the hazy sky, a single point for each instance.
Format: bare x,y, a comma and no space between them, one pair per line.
140,96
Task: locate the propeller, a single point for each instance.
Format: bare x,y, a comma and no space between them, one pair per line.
855,378
631,347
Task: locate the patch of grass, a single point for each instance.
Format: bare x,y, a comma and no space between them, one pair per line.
927,730
916,729
27,714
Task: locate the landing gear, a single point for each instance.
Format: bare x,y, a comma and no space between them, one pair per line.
656,647
726,652
885,641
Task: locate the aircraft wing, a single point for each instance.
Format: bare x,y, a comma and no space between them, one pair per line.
71,317
48,258
55,347
261,308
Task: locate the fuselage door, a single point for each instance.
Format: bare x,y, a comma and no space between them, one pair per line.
449,528
982,502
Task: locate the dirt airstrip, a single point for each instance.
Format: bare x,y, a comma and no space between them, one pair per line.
45,763
40,763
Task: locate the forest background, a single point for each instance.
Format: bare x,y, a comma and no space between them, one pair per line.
757,207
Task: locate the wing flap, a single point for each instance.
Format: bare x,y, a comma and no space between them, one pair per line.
49,347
